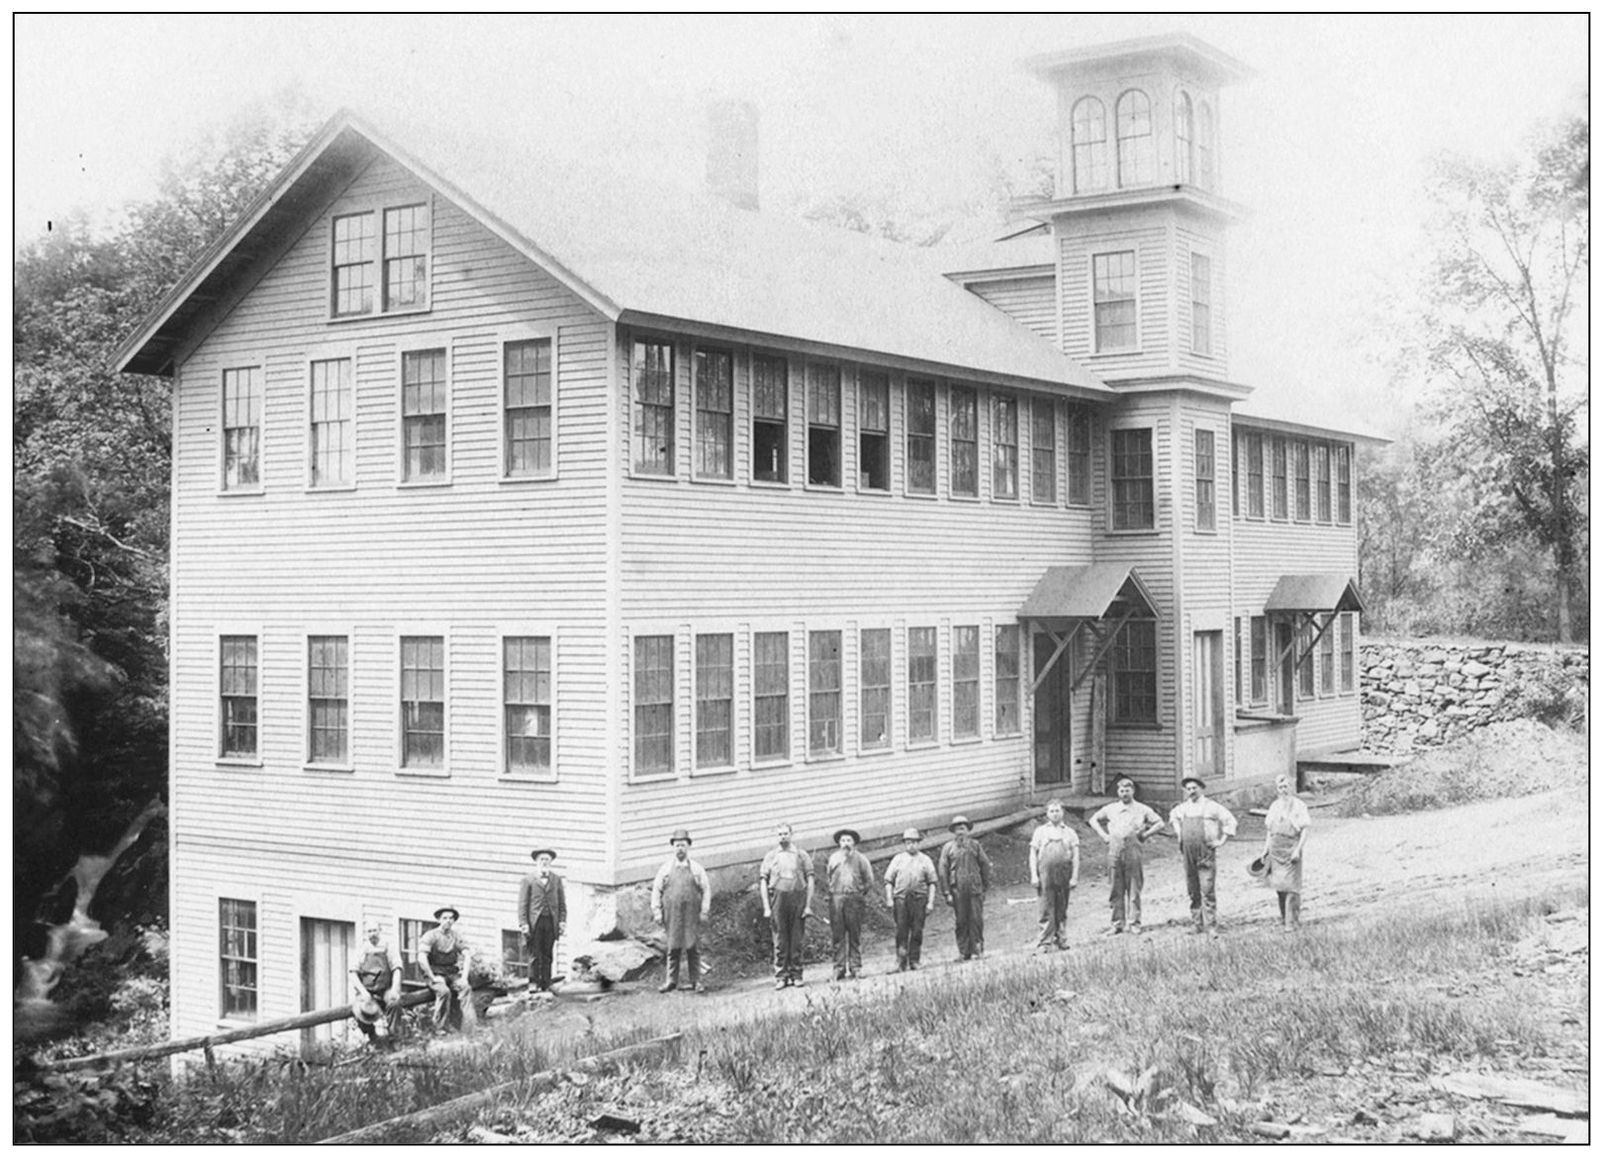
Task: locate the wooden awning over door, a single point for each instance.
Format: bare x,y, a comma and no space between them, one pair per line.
1095,599
1304,598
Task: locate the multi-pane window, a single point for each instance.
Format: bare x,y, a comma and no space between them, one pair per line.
712,400
1300,480
771,696
237,958
1079,454
1206,485
712,674
1201,304
875,684
963,441
1008,680
874,456
1344,484
424,406
1346,624
407,242
528,705
330,427
1258,638
1089,145
769,400
1322,482
1114,281
1132,479
1205,144
1279,487
243,428
409,932
516,954
1305,670
1235,474
1005,411
920,437
1240,685
653,407
1327,659
827,692
237,689
327,700
1134,673
823,425
653,704
1253,455
964,682
352,265
423,700
1043,432
528,408
1184,140
922,675
1135,149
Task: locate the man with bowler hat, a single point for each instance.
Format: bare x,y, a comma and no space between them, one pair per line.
963,879
680,901
849,880
542,918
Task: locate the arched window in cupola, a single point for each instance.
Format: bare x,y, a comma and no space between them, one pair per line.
1207,160
1184,140
1135,152
1089,145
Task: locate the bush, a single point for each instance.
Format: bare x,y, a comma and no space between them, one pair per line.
1554,697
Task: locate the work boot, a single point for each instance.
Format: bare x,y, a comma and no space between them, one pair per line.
670,980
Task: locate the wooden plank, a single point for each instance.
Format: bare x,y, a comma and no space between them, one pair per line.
1522,1092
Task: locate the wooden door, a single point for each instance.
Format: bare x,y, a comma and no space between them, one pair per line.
1209,700
326,961
1053,737
1284,696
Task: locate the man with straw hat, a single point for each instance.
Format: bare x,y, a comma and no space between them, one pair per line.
963,879
542,918
680,901
849,880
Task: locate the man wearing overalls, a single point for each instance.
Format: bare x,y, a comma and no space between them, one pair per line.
1124,824
377,986
1202,825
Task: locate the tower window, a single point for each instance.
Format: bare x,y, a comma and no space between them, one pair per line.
1089,145
1207,162
1115,301
1135,151
1184,140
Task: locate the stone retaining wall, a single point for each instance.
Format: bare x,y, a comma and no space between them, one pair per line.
1420,693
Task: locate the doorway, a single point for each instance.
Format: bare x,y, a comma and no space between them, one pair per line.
1209,714
1284,676
1053,757
326,961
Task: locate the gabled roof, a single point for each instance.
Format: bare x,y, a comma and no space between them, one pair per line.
1314,593
637,253
1107,588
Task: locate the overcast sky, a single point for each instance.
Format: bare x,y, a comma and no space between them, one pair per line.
1325,144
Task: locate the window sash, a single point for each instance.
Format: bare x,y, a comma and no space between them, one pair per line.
330,426
1305,669
424,406
1184,140
327,700
243,423
964,682
713,688
423,701
1089,145
516,954
826,697
1079,453
653,408
527,705
1240,684
1322,506
1005,479
527,408
1347,671
1043,462
1114,288
771,726
712,388
409,932
1259,639
823,417
653,705
1132,479
1301,480
1134,673
1344,484
1136,154
1327,660
875,689
874,425
407,249
1008,680
1279,488
352,264
921,437
1252,454
922,676
1201,304
237,687
237,958
963,441
769,400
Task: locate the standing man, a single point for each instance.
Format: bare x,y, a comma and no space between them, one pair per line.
377,986
542,918
446,955
963,879
1054,868
909,885
849,880
680,901
787,887
1202,825
1124,825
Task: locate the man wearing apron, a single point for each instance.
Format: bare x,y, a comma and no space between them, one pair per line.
377,986
447,961
1285,835
787,886
680,901
1202,825
1124,824
849,880
1054,870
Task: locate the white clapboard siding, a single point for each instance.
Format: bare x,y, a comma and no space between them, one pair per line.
1149,236
1029,300
1205,563
1189,240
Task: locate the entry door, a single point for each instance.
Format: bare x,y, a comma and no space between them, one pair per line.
1053,759
1209,704
1284,675
326,959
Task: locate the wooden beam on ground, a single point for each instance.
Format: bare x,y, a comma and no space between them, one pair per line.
415,1127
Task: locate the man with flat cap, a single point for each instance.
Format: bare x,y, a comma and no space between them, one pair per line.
908,889
680,901
849,880
787,887
446,955
1202,825
542,918
963,879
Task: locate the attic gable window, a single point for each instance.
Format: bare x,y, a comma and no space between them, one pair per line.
380,261
407,240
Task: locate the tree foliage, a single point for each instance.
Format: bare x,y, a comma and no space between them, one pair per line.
90,519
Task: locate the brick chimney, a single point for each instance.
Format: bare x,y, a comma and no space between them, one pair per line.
732,166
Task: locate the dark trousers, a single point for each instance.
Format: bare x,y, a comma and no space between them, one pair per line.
540,942
673,960
1054,908
1127,879
846,911
969,906
910,914
1201,871
788,933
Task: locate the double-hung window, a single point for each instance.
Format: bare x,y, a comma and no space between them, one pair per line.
875,697
769,401
1322,482
1258,638
527,706
964,682
653,408
1301,487
1279,486
827,693
1089,145
1134,673
409,933
1184,139
1206,466
352,265
824,423
423,702
397,277
712,672
1240,684
237,689
1114,287
771,697
528,408
1132,479
327,700
712,389
407,246
1327,658
243,428
237,958
922,674
1005,409
1346,624
424,414
1201,305
874,455
920,437
1079,454
1136,154
1008,680
1043,435
963,441
1344,484
653,705
330,425
1305,669
1253,455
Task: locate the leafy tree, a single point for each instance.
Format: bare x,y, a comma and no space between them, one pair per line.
1511,244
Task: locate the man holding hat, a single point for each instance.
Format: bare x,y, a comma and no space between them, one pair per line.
1202,825
787,887
849,880
908,889
377,986
542,917
680,901
963,878
447,962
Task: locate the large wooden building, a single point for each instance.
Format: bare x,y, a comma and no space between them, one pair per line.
512,507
